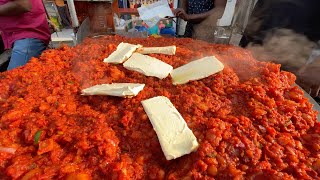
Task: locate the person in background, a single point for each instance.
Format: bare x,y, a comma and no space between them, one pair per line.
196,11
1,44
63,13
269,15
287,32
24,28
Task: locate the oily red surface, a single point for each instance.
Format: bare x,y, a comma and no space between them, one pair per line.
249,119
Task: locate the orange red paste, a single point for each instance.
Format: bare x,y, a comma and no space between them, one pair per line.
250,119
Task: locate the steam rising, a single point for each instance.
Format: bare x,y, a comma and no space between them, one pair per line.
292,51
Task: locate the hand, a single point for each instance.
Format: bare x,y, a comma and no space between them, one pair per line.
53,26
181,13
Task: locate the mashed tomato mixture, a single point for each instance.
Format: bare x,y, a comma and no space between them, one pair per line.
250,120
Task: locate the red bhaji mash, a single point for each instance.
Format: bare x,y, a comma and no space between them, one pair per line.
250,120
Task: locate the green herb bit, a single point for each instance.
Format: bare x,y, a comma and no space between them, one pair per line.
37,137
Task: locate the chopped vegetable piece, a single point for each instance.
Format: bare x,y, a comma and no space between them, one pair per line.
37,137
45,146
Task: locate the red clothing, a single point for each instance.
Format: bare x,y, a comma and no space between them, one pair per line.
32,24
137,5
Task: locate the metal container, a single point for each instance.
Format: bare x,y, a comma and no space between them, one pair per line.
316,106
230,31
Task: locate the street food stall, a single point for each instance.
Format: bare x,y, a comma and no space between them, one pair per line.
114,107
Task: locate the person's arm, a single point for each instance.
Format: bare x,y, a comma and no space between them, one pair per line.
220,3
15,7
199,17
184,5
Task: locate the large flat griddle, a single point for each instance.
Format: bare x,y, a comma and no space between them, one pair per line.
316,106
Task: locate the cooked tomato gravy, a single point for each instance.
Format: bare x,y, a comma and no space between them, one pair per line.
250,120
